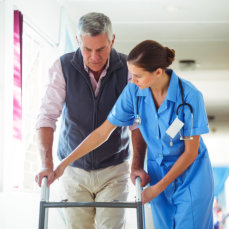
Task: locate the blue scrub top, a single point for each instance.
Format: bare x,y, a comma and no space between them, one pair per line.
154,123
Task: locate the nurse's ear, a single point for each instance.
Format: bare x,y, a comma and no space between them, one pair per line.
158,72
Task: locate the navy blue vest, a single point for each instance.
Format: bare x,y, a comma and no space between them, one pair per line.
83,112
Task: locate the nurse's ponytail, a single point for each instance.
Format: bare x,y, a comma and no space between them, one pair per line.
151,55
170,55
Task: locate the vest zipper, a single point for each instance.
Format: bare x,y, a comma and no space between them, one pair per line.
85,77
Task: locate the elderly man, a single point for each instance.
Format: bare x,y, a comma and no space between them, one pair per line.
84,86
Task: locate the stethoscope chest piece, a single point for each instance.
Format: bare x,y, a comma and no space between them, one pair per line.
138,120
171,142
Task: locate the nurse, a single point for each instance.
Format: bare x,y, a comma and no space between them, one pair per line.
181,185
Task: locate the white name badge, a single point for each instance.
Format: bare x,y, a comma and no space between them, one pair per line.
174,128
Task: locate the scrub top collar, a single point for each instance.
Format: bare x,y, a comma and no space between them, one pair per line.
173,86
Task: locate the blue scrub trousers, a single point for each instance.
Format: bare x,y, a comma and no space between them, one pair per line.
187,202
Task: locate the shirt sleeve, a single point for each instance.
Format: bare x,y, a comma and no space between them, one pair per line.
122,113
199,124
54,97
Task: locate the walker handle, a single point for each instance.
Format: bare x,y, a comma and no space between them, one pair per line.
138,189
44,190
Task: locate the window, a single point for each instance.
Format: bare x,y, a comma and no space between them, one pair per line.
38,54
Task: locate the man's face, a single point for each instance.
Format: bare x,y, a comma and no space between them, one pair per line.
95,50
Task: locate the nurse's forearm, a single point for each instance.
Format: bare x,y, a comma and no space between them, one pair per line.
182,163
95,139
139,150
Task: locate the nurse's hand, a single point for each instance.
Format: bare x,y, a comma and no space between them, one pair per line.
145,178
150,193
58,172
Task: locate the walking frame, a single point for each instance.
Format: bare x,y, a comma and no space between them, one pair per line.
45,204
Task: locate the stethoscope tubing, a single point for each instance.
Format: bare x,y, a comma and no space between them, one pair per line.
138,118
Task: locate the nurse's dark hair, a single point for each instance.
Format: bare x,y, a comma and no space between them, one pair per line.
151,55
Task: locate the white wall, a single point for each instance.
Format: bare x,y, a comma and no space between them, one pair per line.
2,69
217,143
43,15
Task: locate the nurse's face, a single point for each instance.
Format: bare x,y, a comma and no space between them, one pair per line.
142,78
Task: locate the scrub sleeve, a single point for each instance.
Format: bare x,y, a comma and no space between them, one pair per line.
122,114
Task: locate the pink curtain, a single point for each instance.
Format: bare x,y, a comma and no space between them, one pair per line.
17,90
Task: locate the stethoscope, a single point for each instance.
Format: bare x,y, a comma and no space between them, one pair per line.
139,121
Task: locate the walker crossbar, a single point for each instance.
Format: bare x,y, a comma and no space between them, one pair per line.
45,204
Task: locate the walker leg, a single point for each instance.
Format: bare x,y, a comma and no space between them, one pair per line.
140,222
41,216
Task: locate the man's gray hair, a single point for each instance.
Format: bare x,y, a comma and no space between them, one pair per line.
94,24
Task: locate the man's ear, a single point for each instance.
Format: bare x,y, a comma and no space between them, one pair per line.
77,40
112,42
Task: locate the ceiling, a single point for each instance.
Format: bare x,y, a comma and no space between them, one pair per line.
196,29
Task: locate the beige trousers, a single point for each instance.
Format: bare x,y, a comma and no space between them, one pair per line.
109,184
